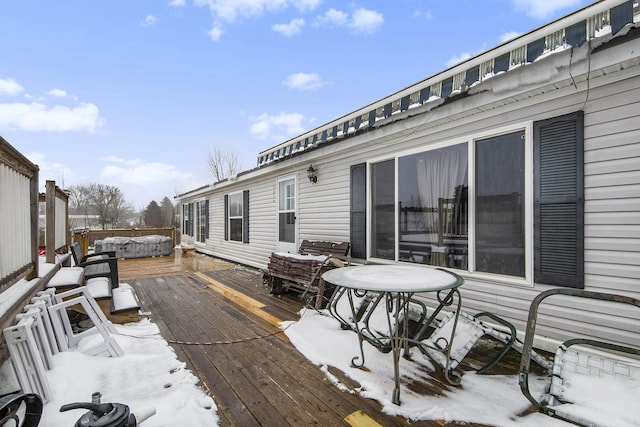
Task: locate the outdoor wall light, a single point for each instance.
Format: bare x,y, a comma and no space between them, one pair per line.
312,174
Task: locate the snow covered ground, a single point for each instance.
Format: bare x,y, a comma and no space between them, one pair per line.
489,399
149,375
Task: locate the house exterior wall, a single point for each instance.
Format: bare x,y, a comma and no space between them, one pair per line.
550,87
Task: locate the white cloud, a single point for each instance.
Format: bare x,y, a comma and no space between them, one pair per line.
304,81
458,58
149,21
215,33
360,21
229,11
508,36
58,93
422,14
9,87
113,159
38,117
177,3
142,173
292,28
277,128
366,21
333,17
542,9
232,10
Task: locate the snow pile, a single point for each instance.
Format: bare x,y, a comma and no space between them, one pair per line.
148,375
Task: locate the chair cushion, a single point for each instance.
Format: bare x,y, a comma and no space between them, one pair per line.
67,277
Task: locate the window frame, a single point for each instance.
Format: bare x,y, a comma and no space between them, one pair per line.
187,219
471,140
240,217
201,220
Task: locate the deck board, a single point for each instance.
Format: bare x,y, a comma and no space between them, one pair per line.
260,378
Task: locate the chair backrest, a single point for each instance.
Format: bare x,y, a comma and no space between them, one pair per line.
76,252
318,247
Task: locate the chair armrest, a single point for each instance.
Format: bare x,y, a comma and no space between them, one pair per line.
107,254
110,261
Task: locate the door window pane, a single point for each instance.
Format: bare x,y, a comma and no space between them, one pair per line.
433,207
383,212
500,234
287,195
287,227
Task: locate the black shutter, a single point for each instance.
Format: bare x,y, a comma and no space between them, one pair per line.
559,200
191,219
245,216
358,219
226,217
206,223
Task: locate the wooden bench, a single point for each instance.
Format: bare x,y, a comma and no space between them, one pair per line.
302,272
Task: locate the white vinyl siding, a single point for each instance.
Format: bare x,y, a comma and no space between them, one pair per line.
611,105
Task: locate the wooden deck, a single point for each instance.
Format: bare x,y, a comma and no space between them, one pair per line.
253,373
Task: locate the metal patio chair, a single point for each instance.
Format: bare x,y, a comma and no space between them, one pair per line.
581,365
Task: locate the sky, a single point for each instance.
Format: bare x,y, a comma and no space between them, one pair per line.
137,93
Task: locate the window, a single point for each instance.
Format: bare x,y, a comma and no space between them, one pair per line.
187,219
287,210
235,217
500,193
464,206
432,207
236,221
202,220
383,212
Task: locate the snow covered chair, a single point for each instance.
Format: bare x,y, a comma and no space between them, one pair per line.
27,358
67,338
582,366
469,330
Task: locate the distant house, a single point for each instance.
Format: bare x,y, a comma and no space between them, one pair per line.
519,169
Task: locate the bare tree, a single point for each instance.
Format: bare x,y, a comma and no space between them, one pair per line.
117,204
222,163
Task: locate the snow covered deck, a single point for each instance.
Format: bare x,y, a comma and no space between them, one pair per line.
221,320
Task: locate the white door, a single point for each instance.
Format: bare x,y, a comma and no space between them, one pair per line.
287,228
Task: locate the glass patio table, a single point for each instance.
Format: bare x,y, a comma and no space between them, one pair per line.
398,283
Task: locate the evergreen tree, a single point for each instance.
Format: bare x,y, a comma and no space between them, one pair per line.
153,215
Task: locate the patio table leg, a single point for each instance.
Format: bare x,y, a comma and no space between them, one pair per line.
358,332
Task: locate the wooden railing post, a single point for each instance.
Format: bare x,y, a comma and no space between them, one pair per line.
50,221
35,223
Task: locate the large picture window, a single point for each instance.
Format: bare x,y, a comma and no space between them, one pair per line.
509,203
431,224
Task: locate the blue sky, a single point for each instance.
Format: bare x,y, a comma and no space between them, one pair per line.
135,93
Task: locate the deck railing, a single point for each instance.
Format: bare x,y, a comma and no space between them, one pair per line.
18,216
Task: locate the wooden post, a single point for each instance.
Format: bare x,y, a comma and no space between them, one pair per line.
50,221
35,223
